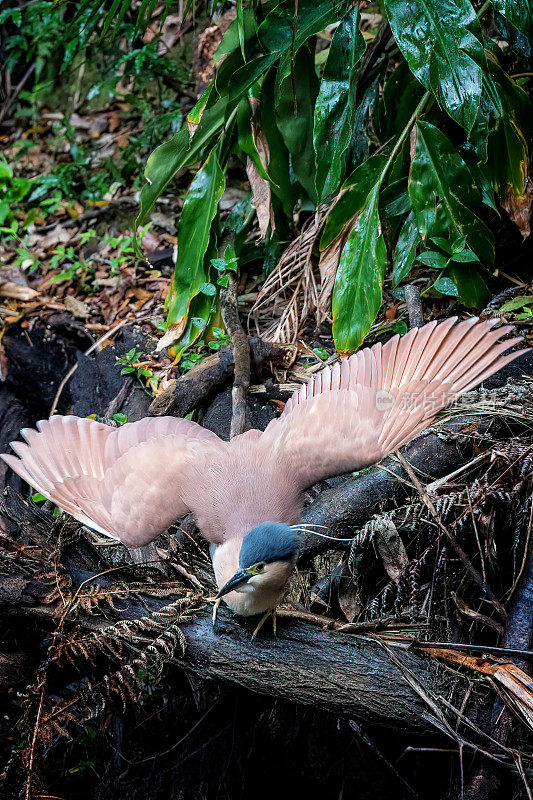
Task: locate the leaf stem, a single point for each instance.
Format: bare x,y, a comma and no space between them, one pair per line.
403,135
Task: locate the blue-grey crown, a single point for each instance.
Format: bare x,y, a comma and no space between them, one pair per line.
270,541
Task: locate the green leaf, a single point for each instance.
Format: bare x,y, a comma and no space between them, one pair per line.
405,251
321,353
465,283
120,418
464,256
432,259
241,28
517,302
194,230
38,497
335,105
278,168
518,13
199,313
443,192
292,26
439,41
294,116
459,244
446,286
394,200
352,198
246,136
179,152
502,131
444,244
357,292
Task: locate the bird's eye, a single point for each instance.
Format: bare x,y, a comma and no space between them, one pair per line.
257,569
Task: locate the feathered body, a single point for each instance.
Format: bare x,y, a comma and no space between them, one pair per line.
132,482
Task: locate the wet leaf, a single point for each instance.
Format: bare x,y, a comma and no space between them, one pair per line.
518,13
335,105
180,151
442,193
194,230
439,40
464,282
294,116
357,292
405,251
352,198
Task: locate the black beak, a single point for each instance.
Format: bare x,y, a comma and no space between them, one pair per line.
240,577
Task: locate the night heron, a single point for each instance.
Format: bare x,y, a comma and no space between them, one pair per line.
133,482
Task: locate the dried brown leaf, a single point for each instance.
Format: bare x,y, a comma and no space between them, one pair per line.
390,547
519,208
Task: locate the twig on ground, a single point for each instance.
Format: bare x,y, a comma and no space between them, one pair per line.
241,350
456,546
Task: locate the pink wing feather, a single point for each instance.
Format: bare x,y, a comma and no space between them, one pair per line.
124,482
351,415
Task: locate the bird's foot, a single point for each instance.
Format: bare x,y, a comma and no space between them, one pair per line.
270,613
216,605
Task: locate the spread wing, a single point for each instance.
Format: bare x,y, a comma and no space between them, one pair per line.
351,415
127,482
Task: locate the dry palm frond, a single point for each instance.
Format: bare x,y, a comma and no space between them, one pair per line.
291,291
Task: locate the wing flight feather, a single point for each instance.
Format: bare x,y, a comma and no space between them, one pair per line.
353,414
124,482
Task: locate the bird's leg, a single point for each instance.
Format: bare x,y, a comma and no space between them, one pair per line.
270,613
215,609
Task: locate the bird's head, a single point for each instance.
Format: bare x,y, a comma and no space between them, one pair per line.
266,559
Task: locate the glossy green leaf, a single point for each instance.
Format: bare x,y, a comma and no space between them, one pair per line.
279,167
519,13
502,131
197,321
294,115
357,292
401,95
405,251
432,259
459,244
464,282
179,152
194,229
464,256
335,105
296,24
394,200
439,39
240,29
517,302
443,192
444,244
246,136
352,198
